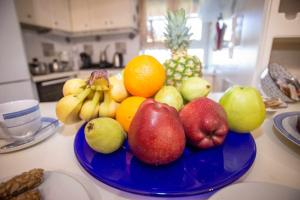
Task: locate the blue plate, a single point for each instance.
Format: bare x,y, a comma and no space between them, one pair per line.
196,172
285,123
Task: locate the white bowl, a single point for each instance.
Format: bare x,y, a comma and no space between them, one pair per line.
19,119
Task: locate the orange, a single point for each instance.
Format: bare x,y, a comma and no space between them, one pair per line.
144,76
127,110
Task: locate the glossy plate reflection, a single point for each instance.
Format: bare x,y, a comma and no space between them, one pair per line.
196,172
48,128
286,124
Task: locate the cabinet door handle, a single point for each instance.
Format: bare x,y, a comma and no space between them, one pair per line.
29,16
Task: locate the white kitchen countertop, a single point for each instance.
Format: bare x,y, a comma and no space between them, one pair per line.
78,73
277,159
52,76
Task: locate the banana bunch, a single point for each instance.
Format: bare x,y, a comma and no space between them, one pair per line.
86,100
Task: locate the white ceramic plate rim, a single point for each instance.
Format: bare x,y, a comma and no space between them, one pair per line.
278,119
238,190
47,173
38,138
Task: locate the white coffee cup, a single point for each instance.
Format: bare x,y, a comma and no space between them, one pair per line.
19,119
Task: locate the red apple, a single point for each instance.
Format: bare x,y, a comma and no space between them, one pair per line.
204,122
156,135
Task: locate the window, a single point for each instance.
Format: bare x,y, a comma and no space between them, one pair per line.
156,27
154,22
163,54
195,23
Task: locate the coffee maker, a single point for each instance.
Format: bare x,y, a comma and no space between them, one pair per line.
118,60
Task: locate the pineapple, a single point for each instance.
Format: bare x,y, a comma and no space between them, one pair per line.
181,65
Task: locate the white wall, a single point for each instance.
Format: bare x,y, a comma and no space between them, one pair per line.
288,58
240,68
280,41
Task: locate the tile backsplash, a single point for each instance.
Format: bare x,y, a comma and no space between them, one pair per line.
46,47
35,45
121,47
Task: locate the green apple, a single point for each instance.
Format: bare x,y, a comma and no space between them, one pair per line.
169,95
244,107
104,134
194,87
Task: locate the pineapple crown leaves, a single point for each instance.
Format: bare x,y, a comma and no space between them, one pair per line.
177,33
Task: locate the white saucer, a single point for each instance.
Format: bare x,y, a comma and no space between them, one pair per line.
58,185
40,136
257,190
285,123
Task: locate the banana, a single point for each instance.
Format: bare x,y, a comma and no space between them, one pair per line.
74,86
108,107
88,110
91,95
68,107
99,80
118,90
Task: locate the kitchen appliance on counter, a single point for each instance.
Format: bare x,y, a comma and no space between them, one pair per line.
56,66
103,56
65,61
86,61
103,59
118,60
38,68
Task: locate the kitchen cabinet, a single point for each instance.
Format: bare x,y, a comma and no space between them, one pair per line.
25,11
34,12
94,15
61,17
98,14
44,13
113,14
80,15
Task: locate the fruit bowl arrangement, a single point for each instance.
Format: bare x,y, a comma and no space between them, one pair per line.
154,120
196,172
